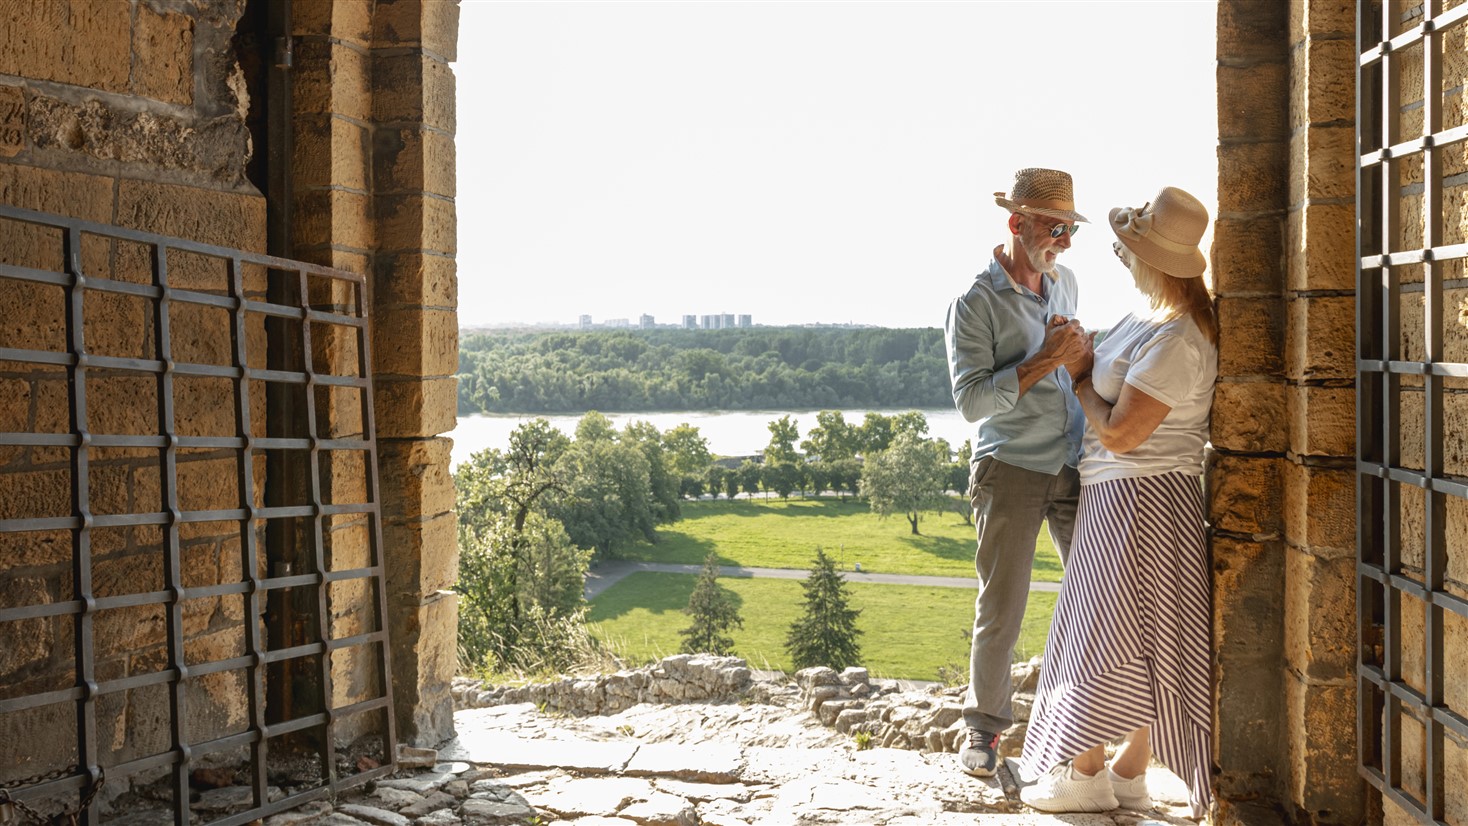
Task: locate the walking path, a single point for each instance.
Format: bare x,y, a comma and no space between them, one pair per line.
608,573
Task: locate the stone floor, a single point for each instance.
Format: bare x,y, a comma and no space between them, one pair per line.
718,764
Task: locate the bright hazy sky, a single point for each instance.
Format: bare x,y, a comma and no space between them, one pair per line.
807,161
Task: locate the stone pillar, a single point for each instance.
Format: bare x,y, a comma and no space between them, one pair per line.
416,348
1321,783
1245,474
1282,480
374,188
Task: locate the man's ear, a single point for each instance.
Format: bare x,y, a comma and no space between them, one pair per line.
1014,221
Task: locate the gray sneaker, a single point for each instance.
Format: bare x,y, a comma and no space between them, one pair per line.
981,756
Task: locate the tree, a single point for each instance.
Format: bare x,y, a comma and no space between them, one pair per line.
819,475
843,475
875,433
714,479
749,477
731,484
832,438
610,502
714,614
783,433
687,449
906,478
913,421
781,477
826,632
662,482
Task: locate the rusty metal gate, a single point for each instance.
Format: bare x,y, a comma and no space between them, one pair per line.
293,640
1411,135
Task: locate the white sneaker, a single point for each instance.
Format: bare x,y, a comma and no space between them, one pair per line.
1131,794
1063,789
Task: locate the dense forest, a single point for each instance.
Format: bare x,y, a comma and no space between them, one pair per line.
762,368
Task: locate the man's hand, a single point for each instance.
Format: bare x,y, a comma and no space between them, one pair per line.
1065,342
1080,367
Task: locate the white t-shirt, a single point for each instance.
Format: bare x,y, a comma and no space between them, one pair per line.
1174,363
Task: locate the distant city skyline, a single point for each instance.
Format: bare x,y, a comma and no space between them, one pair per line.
808,162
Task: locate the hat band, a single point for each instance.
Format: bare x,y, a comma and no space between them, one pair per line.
1035,203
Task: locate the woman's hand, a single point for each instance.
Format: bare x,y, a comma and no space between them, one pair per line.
1081,365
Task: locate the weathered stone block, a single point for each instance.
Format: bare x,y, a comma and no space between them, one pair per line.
331,79
88,197
1317,17
1250,31
350,21
1251,337
35,494
1323,163
330,151
164,49
422,556
208,484
25,643
1320,616
410,408
413,89
1247,255
1248,610
1252,177
416,279
228,219
1245,495
348,542
52,40
1322,247
1321,340
1322,420
1249,417
433,24
415,477
1252,101
412,342
334,217
417,222
425,659
344,476
1322,81
410,160
1322,729
1321,504
204,406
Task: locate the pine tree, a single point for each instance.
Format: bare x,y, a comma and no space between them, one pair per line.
714,614
826,632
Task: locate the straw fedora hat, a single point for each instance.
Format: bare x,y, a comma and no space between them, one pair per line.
1042,192
1165,232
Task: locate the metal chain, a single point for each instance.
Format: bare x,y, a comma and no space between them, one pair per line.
66,816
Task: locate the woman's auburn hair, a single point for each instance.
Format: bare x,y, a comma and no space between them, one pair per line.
1175,296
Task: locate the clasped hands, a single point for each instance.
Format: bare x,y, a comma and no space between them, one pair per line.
1067,343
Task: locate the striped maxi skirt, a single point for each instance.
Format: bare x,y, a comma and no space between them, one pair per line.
1129,644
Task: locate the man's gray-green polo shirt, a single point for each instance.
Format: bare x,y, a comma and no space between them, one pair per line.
991,329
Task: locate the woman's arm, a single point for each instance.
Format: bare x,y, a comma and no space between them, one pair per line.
1123,426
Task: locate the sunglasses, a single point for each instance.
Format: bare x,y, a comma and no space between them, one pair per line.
1060,229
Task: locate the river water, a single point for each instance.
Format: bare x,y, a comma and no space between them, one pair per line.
729,433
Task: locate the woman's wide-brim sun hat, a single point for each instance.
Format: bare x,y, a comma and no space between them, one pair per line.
1165,232
1037,191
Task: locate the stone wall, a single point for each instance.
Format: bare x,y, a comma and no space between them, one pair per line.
1282,481
140,114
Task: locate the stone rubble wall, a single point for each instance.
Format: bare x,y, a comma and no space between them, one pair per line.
926,719
680,678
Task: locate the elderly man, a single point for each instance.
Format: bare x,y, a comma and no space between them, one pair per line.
1010,339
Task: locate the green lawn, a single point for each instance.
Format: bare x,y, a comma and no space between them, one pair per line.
778,534
908,631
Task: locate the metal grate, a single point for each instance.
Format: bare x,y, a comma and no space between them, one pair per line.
1408,607
327,313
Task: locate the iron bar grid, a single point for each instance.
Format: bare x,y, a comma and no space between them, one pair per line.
1384,375
244,445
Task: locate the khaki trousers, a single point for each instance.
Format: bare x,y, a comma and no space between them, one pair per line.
1009,504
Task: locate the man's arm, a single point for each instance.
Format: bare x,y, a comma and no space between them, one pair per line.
980,387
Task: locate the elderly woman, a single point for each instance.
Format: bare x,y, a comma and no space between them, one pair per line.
1128,652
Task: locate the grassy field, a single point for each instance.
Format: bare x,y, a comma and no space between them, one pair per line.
907,631
778,534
